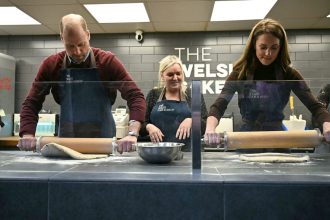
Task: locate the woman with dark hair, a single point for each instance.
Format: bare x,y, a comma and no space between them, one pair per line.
264,79
1,123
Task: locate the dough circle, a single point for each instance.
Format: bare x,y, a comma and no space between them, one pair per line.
274,158
57,150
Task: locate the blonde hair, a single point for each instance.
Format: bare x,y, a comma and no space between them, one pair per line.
246,64
166,63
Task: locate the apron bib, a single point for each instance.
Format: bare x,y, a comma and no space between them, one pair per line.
262,104
85,106
167,115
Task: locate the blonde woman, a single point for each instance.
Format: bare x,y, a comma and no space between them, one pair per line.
264,79
168,116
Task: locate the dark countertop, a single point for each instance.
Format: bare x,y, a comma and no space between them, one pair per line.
216,167
126,187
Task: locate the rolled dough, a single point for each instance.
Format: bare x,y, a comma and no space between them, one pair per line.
57,150
274,158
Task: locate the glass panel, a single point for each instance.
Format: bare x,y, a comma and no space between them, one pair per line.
263,105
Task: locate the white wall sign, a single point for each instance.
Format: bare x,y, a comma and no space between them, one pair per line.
212,82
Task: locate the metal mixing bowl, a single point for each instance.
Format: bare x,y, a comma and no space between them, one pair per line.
162,152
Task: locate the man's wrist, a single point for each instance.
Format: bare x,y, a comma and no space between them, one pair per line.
133,133
131,122
27,135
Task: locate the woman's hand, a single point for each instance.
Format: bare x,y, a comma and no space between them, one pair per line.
155,133
183,131
210,136
326,131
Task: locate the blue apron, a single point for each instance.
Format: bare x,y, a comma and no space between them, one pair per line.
167,115
262,104
85,105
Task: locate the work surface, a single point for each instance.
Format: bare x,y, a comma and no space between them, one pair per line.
126,187
216,166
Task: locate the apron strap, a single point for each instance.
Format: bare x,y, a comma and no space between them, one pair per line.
92,59
249,76
162,94
279,73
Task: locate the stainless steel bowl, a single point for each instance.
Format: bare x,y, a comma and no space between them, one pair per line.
162,152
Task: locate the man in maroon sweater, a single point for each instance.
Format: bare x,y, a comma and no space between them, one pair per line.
81,104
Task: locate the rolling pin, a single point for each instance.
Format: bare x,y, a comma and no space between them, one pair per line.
271,139
82,145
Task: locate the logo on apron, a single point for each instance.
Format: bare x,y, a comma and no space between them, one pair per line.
163,108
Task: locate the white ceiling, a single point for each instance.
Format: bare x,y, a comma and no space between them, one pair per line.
165,16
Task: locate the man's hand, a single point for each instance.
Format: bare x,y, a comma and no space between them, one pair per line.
27,143
326,131
126,144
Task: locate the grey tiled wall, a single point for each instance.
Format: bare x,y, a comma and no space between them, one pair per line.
309,50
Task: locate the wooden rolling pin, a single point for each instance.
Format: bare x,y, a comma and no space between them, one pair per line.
272,139
82,145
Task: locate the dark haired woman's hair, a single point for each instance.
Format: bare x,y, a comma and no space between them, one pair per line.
246,64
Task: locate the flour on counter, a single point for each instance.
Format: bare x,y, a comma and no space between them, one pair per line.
274,158
237,158
28,157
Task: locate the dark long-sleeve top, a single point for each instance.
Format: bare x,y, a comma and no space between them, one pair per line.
1,123
152,99
292,78
324,95
111,71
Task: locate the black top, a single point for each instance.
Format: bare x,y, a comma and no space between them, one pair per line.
324,95
1,123
290,77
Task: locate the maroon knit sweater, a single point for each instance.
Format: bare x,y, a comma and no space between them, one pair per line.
111,70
